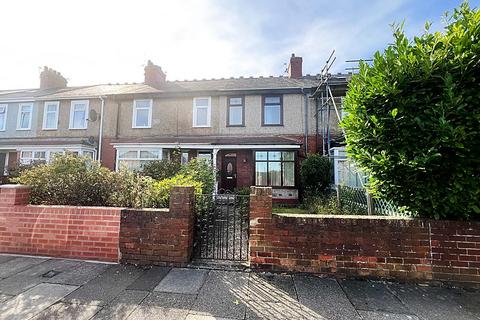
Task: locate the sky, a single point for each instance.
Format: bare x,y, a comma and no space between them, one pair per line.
103,41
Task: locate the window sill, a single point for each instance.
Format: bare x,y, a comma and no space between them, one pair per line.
201,126
77,128
49,129
235,126
272,125
150,127
24,129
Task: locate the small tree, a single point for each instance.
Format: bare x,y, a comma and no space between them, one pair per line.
316,174
414,119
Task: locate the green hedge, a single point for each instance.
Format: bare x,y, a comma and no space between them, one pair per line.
414,119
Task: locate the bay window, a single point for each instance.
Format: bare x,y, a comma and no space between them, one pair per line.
134,159
37,154
275,168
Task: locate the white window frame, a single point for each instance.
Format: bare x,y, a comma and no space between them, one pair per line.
138,158
49,152
45,112
20,107
134,114
72,106
209,112
3,126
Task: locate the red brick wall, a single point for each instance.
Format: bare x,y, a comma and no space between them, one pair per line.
59,231
377,247
160,237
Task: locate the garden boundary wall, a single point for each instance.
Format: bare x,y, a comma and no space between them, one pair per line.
151,236
381,247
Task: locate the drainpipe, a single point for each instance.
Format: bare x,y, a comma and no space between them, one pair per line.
305,101
100,132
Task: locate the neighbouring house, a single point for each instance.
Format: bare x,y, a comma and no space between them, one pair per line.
255,130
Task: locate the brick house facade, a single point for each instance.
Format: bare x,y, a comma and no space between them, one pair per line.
255,130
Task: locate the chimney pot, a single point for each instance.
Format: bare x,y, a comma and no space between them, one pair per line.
295,67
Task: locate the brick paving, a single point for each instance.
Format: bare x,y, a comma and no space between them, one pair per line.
40,288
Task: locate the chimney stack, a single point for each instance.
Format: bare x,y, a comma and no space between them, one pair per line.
51,79
295,67
154,76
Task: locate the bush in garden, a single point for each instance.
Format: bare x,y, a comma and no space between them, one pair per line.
200,170
128,189
414,119
163,169
157,195
316,174
68,179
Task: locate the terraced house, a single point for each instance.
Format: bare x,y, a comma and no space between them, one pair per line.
254,130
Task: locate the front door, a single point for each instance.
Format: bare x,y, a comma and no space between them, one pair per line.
229,172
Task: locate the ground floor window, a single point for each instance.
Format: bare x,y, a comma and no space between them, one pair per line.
134,159
275,168
28,156
204,155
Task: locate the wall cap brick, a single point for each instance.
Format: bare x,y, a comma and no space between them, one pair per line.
340,217
14,186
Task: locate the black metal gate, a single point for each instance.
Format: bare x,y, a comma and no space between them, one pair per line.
221,230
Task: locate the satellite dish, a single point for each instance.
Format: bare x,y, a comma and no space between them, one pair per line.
92,115
91,140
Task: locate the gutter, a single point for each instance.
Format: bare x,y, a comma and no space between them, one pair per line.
100,132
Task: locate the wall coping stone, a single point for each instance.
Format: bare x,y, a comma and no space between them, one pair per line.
338,216
14,186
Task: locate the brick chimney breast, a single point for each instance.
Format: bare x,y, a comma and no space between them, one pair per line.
154,75
51,79
295,67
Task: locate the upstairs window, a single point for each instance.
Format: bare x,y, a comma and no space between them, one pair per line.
24,116
235,112
50,115
3,117
201,112
275,168
272,111
78,114
142,114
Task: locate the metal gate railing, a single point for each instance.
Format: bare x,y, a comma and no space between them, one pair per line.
221,229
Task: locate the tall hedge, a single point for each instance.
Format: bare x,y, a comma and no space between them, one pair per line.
414,119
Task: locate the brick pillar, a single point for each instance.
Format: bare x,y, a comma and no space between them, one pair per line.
260,218
14,195
182,205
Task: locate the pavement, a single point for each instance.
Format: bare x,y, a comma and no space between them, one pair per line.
43,288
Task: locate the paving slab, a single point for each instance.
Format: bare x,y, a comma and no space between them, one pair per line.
33,301
4,258
149,279
224,294
4,297
18,264
271,287
80,275
378,315
32,276
68,311
201,317
372,296
161,305
323,298
183,281
106,286
437,303
122,306
292,310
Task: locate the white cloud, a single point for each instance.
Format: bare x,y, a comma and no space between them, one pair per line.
110,41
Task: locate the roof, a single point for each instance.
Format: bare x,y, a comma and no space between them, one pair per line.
172,87
212,140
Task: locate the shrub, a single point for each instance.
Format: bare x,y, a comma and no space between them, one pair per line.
129,189
316,174
414,119
157,195
161,169
202,171
68,179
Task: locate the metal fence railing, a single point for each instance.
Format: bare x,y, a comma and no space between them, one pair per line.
359,201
